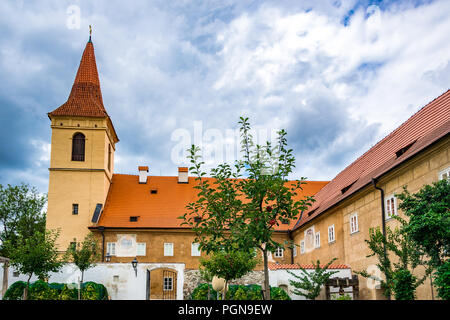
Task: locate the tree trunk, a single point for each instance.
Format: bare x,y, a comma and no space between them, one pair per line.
224,296
266,276
25,293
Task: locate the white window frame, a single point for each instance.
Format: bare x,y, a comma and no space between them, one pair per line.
331,234
388,206
195,251
445,171
168,286
354,226
294,251
141,249
279,253
168,249
302,247
111,248
317,240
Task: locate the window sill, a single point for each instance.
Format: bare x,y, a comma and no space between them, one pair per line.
332,242
355,232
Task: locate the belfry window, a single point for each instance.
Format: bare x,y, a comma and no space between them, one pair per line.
78,142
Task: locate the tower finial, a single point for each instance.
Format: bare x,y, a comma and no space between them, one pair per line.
90,33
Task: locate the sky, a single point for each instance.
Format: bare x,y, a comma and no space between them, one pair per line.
338,76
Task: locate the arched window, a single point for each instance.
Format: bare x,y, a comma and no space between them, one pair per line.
78,147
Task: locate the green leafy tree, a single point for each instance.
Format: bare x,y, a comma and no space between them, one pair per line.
34,254
442,280
229,265
241,204
21,214
311,282
429,225
84,255
401,255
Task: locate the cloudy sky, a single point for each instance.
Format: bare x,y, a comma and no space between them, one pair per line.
337,75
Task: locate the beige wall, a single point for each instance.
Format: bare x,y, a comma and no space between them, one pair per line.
351,249
181,239
85,183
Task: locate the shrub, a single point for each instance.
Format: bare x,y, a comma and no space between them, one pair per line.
442,281
40,290
15,291
344,297
404,285
239,292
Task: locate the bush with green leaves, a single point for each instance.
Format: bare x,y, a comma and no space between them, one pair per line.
442,281
238,292
40,290
343,297
404,284
15,291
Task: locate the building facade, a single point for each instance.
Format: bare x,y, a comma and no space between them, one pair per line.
136,216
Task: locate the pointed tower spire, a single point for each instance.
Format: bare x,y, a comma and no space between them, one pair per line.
85,98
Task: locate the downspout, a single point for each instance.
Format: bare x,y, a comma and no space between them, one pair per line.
293,248
102,229
383,221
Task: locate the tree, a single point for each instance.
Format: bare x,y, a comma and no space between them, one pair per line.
398,271
429,226
34,254
84,255
21,213
228,265
242,203
311,283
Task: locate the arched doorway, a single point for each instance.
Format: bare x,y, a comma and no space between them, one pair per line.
163,284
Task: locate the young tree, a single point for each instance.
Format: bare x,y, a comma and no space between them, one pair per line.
21,213
241,204
85,255
403,249
429,226
311,282
229,265
34,254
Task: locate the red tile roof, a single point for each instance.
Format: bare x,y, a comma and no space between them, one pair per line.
277,266
85,99
428,125
126,197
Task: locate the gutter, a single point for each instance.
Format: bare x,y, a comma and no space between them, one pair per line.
383,221
102,229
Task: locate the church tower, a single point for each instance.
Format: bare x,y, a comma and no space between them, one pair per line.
82,156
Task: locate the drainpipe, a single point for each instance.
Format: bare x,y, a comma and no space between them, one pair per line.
102,229
293,248
383,222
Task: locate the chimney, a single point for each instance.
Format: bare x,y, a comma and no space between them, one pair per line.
143,174
183,175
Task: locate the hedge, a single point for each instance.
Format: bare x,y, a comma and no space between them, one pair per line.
238,292
41,290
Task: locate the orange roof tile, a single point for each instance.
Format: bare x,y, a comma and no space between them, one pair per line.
277,266
126,197
428,125
85,99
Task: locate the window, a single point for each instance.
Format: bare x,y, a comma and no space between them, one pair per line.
294,251
354,223
109,157
279,253
168,249
331,234
111,248
133,218
195,251
444,174
75,208
302,246
391,207
168,283
141,248
78,142
317,240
